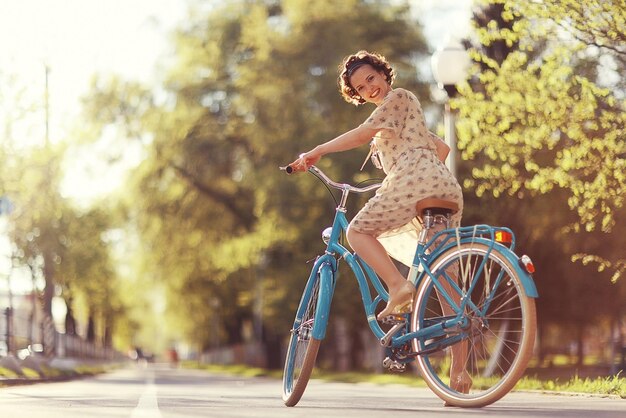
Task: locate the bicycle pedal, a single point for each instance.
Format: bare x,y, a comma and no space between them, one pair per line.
393,365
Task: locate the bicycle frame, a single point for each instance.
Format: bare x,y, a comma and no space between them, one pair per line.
326,266
327,263
473,319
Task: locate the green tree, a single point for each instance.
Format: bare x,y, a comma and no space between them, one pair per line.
250,88
86,272
61,244
547,122
544,123
39,216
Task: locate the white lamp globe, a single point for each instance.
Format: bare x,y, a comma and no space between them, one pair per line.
450,64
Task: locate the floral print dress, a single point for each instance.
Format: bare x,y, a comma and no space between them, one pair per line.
413,172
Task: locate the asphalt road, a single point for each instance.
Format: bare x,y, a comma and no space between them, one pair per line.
161,392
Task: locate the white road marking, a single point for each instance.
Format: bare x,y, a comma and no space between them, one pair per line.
147,407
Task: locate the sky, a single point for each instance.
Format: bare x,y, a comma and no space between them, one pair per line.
75,39
443,19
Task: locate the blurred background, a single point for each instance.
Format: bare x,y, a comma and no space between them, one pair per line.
141,206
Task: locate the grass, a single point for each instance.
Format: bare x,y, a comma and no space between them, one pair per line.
8,373
611,385
30,373
237,369
604,386
48,372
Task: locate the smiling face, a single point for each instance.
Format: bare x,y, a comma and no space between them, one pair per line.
370,84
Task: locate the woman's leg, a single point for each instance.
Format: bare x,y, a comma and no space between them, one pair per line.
460,379
374,254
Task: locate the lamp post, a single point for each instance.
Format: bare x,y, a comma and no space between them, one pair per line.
450,64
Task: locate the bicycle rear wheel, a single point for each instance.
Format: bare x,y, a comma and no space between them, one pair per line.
498,337
303,348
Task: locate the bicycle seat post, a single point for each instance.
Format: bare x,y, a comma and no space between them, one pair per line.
429,220
427,223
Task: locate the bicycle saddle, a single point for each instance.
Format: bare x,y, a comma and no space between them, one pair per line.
436,206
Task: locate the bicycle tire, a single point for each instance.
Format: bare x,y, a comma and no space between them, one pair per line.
499,341
303,348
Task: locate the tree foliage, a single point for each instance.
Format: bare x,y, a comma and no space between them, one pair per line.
248,90
63,245
551,114
541,128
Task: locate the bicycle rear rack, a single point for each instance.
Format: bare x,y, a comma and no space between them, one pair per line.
501,235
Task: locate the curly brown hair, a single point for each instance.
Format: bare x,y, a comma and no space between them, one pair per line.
354,61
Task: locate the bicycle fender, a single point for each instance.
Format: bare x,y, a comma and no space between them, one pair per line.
323,303
527,280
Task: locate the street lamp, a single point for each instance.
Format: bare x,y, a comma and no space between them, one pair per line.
450,64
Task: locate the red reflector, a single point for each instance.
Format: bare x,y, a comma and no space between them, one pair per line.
504,237
527,263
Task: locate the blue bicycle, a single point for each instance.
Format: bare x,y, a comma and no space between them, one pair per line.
473,316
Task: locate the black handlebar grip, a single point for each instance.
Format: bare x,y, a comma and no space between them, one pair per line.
289,169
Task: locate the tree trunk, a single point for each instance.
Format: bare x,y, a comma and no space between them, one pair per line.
108,333
91,329
70,321
541,352
48,329
580,332
613,339
342,343
48,291
273,347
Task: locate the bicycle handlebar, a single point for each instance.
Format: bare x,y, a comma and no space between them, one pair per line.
340,186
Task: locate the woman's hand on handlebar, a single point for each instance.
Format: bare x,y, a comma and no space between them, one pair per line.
305,161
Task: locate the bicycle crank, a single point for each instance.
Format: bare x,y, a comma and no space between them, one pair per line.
386,340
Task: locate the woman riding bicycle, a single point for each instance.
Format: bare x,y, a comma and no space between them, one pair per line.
412,158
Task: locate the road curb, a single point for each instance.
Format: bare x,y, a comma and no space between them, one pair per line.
58,371
33,380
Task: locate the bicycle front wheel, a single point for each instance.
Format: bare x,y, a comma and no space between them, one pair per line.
491,349
303,348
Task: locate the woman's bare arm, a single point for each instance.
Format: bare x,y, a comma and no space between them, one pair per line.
346,141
